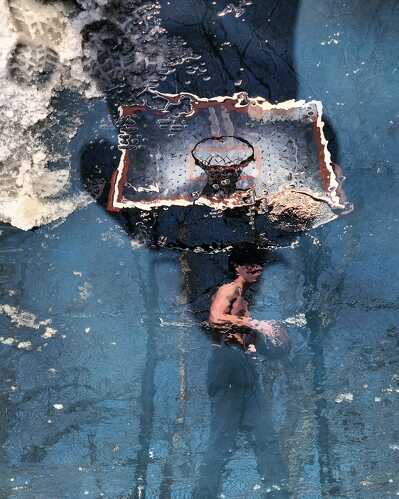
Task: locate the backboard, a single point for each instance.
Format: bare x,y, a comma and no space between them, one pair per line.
227,153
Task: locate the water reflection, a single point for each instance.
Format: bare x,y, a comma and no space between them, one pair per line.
240,403
333,405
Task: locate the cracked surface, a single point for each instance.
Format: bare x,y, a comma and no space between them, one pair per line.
113,400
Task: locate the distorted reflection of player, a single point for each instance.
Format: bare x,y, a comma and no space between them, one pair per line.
238,401
229,314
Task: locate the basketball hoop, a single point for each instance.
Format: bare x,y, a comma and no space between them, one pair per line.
223,159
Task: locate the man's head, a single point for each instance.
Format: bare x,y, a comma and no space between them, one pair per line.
247,261
249,273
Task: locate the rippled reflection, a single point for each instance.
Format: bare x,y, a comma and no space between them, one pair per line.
110,385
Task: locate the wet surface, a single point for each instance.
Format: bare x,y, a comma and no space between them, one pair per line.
108,384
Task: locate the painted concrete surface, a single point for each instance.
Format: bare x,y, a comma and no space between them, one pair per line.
107,377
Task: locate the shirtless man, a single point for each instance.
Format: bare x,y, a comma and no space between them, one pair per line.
240,395
229,314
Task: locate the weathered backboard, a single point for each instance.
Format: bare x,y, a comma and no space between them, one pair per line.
227,153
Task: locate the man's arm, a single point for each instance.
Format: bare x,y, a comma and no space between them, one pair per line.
219,315
275,337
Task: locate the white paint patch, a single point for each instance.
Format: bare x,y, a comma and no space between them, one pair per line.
344,397
25,345
22,318
297,320
164,323
7,341
49,333
85,291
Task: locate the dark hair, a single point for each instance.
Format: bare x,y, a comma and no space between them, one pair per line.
247,254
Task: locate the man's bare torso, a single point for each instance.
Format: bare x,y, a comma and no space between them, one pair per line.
229,300
232,323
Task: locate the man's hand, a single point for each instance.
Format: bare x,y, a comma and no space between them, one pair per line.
274,333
